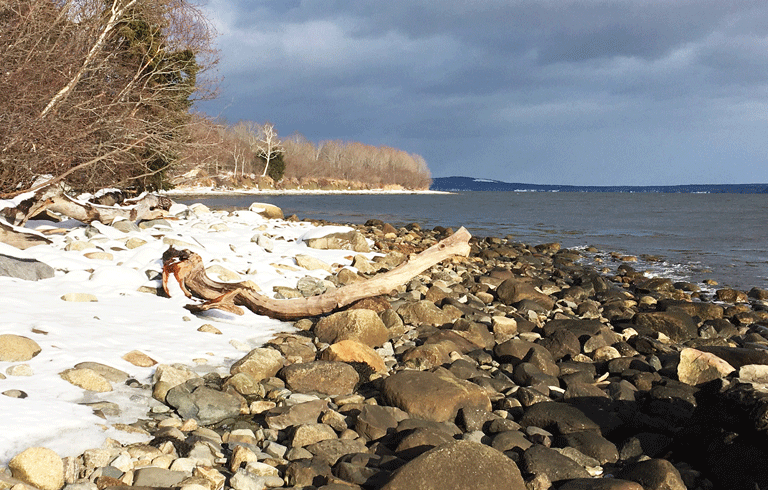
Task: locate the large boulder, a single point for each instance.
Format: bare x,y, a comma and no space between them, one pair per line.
436,396
361,325
458,465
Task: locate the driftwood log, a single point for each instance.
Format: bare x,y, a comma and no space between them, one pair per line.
187,268
53,198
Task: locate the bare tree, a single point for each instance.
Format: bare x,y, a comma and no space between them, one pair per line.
268,146
97,92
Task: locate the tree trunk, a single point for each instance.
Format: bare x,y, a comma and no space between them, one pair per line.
187,268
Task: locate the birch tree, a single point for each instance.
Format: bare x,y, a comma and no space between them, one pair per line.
268,146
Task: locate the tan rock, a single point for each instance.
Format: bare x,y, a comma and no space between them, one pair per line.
87,379
362,325
15,348
134,242
352,240
138,358
40,467
269,211
698,367
504,328
311,263
79,298
260,363
208,328
99,256
19,370
354,351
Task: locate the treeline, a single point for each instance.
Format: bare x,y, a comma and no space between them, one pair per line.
242,154
99,93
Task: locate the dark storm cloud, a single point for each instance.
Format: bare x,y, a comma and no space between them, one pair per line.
585,92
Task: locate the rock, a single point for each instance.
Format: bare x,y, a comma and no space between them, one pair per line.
280,418
157,477
436,396
423,312
514,290
80,298
15,348
260,363
86,379
600,484
353,240
306,434
332,449
511,439
353,351
654,474
697,367
458,465
675,324
311,286
420,440
539,459
738,356
245,384
557,417
374,422
269,211
206,405
107,372
504,328
311,473
327,377
592,444
167,377
731,296
311,263
705,311
138,358
40,467
753,373
26,269
361,325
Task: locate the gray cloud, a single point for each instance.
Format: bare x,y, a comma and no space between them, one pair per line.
550,91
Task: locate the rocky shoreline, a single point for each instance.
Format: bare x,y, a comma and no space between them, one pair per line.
517,368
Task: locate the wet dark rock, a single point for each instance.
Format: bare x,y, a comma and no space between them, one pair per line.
705,311
308,472
514,290
374,422
590,443
576,327
509,440
561,344
539,459
675,324
654,474
557,417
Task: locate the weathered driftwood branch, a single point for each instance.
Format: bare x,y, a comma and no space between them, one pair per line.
54,199
187,268
20,239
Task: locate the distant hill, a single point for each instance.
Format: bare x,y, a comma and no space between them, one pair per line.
456,184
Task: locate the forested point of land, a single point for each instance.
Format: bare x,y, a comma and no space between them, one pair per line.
101,94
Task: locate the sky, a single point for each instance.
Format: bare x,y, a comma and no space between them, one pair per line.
589,92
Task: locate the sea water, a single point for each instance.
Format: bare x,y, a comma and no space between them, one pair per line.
693,236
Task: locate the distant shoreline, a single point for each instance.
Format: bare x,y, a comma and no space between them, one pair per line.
472,184
208,191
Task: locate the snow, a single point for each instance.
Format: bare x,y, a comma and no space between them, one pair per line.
125,319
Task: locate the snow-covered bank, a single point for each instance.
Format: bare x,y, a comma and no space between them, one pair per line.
120,272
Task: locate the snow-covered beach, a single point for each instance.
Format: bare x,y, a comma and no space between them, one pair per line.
120,271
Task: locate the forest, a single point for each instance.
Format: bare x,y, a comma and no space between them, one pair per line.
101,94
